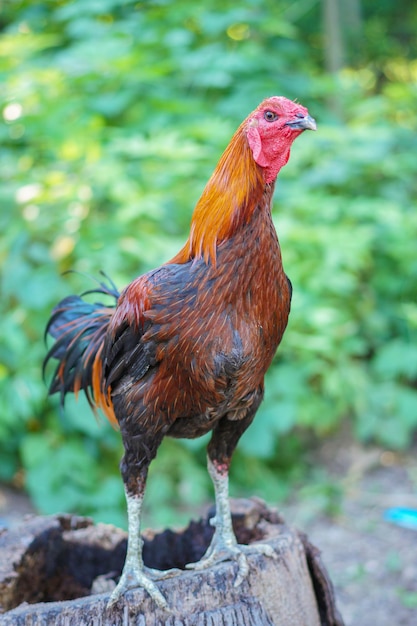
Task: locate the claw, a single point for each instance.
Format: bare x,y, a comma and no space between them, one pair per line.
265,549
219,552
243,569
132,579
157,574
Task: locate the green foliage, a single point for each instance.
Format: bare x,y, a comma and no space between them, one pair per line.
408,598
115,113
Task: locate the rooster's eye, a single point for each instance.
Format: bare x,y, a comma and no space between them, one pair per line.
270,116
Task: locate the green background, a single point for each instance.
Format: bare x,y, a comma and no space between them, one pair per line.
114,114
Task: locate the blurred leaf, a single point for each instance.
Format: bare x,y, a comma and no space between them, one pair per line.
397,358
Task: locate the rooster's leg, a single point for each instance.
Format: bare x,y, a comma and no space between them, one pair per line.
133,574
224,546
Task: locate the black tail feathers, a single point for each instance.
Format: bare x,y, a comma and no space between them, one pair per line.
79,329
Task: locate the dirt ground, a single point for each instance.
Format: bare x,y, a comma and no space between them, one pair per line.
373,564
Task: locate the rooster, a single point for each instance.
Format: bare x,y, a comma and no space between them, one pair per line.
185,348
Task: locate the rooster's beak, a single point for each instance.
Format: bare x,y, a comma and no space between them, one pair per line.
302,122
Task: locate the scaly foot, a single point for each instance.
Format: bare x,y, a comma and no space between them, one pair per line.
134,573
220,551
132,578
223,546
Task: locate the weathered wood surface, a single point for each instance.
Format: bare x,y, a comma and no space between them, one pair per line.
49,565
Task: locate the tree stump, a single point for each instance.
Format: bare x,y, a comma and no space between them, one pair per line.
52,570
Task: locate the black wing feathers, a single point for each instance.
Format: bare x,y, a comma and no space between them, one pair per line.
125,355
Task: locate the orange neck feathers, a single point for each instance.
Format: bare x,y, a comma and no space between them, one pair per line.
228,201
